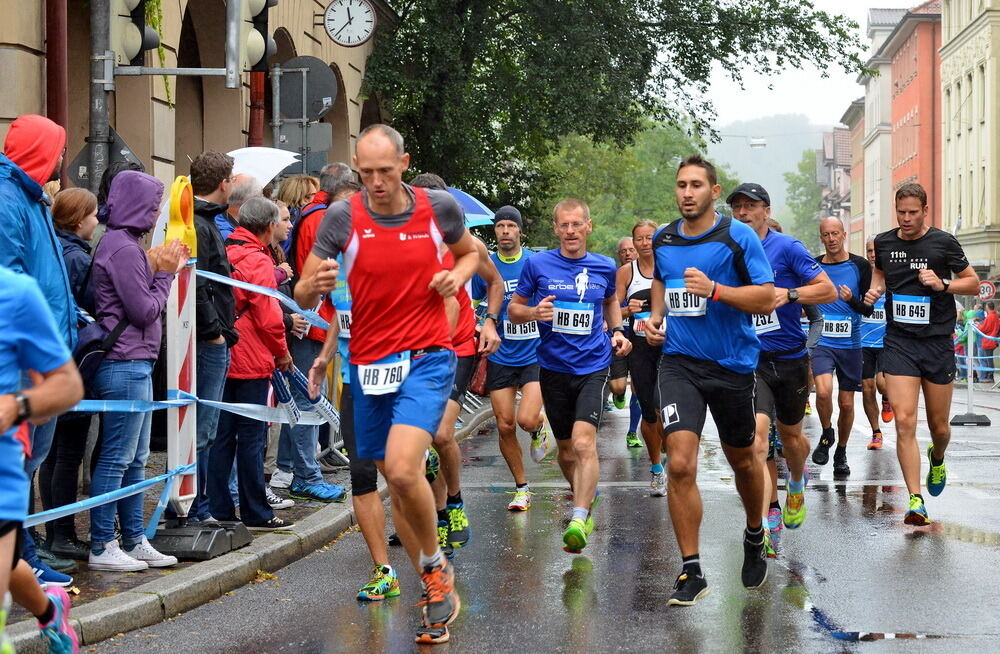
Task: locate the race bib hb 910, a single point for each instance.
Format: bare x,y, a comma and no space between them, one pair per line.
682,303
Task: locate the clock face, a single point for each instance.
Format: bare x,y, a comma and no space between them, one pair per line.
349,22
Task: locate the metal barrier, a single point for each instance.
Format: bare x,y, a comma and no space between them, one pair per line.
970,417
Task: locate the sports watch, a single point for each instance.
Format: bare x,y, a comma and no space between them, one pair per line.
495,317
23,408
793,295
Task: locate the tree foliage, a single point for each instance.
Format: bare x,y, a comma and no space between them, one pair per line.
620,184
484,89
803,202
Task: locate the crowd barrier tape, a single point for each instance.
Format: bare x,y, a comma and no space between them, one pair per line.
311,317
114,496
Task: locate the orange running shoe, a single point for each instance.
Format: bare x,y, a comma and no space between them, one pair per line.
876,441
887,413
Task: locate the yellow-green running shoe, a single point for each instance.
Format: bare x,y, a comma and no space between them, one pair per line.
383,584
917,515
575,536
794,511
632,439
937,476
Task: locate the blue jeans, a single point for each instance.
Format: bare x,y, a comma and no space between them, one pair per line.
297,445
124,450
242,439
213,365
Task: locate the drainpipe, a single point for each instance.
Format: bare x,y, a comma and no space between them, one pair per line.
56,69
255,132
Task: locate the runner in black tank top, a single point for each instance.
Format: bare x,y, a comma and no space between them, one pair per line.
634,294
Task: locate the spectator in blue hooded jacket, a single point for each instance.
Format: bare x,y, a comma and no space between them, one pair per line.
130,285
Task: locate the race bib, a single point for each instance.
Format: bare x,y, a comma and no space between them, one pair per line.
639,323
764,324
386,375
680,303
523,332
344,318
911,309
878,315
837,325
574,318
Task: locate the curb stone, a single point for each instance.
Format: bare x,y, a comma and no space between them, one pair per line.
181,591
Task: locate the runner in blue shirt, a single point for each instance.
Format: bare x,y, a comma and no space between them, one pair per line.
570,293
711,274
514,366
872,379
29,341
782,373
839,347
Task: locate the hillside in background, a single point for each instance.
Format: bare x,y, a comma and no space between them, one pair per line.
787,137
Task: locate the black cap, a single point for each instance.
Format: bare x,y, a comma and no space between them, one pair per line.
510,213
752,191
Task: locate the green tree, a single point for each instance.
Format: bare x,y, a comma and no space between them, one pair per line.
621,184
484,89
804,196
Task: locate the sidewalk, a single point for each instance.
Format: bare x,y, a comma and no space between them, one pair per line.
109,603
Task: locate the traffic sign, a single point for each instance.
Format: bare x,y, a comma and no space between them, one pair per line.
987,290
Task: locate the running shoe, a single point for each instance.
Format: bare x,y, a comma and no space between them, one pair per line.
619,401
754,572
321,492
575,536
459,532
521,501
443,543
887,413
541,443
769,546
441,603
794,511
432,465
821,455
809,408
840,467
937,476
688,590
383,584
608,406
774,521
876,442
49,577
658,484
5,646
58,632
917,515
632,440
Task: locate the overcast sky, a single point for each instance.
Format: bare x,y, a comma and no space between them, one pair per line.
799,91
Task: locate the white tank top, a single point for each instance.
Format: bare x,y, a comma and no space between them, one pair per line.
638,284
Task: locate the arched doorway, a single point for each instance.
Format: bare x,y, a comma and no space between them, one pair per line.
221,124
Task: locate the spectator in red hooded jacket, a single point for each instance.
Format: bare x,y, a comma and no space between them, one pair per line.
261,348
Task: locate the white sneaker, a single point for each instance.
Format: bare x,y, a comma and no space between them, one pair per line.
276,502
115,560
658,484
281,479
544,444
144,551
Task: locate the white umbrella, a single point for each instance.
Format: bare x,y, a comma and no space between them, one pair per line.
263,164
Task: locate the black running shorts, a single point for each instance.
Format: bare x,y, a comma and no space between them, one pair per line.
463,375
619,367
364,474
570,398
499,376
688,386
642,362
782,387
931,358
871,362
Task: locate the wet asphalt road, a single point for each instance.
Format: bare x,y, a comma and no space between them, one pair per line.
853,574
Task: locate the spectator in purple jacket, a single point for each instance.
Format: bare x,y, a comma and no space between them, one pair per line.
130,285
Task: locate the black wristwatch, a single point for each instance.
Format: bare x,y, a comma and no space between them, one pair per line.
793,295
620,330
947,283
23,408
495,317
